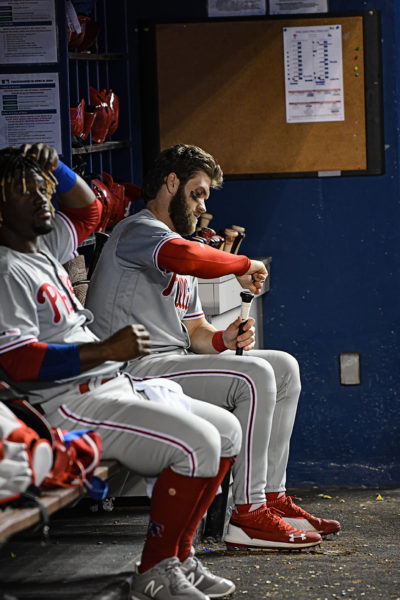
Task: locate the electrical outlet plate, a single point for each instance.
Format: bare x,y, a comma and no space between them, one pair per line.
349,368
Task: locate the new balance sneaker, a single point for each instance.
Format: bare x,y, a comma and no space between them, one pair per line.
262,528
297,517
165,581
199,576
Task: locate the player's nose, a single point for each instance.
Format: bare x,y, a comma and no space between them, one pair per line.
40,198
201,205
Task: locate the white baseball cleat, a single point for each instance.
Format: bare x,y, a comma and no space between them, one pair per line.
205,581
165,581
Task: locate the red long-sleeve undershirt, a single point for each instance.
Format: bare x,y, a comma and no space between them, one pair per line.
85,219
193,258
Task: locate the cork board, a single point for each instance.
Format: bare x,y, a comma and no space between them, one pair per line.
220,85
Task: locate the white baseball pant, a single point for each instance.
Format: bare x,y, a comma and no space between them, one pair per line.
261,388
147,437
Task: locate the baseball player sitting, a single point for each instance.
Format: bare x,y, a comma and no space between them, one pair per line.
147,274
47,349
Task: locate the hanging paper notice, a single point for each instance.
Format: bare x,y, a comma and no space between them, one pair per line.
27,31
285,7
30,109
235,8
313,73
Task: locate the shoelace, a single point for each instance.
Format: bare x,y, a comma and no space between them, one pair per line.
273,514
277,515
296,509
177,579
201,568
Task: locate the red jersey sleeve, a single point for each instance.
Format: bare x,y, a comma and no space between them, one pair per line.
193,258
85,220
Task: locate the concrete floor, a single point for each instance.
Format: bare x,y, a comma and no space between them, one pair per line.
90,555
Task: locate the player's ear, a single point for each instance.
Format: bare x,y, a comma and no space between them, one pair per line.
172,182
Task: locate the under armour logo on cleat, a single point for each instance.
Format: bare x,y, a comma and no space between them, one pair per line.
292,536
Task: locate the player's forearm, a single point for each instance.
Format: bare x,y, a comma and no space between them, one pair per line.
92,355
126,344
201,339
191,258
38,361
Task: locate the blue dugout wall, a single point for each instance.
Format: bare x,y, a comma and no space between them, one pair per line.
335,244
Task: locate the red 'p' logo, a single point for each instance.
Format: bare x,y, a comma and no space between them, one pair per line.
56,299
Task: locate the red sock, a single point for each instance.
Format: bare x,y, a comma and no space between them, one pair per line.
173,499
201,507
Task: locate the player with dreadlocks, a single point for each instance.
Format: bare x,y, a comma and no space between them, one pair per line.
29,176
48,351
14,164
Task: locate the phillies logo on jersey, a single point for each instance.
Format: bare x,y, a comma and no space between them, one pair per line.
56,299
182,291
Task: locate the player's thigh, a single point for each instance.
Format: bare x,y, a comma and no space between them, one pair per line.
227,424
218,379
278,359
285,366
146,437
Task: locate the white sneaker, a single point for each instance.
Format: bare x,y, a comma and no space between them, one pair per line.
165,581
199,576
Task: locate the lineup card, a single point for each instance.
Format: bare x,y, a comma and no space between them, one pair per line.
313,73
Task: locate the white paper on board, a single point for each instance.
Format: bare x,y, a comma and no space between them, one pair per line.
313,73
27,31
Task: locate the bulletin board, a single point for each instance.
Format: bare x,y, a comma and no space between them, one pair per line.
220,85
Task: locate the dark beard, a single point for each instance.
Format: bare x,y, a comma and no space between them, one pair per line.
179,213
42,229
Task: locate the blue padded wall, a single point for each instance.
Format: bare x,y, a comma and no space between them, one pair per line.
335,244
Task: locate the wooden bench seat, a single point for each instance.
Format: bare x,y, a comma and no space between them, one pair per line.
13,520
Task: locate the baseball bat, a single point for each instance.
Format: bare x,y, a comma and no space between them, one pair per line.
240,237
216,241
199,238
229,235
204,220
247,298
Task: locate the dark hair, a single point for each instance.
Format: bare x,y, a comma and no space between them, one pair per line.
185,161
13,170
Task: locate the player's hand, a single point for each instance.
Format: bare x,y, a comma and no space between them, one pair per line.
246,340
254,278
127,343
45,155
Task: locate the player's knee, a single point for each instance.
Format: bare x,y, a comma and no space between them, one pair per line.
261,374
231,436
207,442
292,370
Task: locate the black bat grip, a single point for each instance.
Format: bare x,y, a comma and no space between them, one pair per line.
239,351
246,297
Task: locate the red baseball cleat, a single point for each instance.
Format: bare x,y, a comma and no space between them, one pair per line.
297,517
262,528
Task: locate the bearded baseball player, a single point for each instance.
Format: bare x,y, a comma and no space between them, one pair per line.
147,274
47,348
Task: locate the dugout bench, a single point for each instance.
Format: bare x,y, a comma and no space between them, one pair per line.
14,520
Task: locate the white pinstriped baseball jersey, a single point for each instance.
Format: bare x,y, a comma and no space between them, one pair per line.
37,302
123,285
261,388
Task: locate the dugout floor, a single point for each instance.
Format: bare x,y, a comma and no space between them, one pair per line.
90,555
